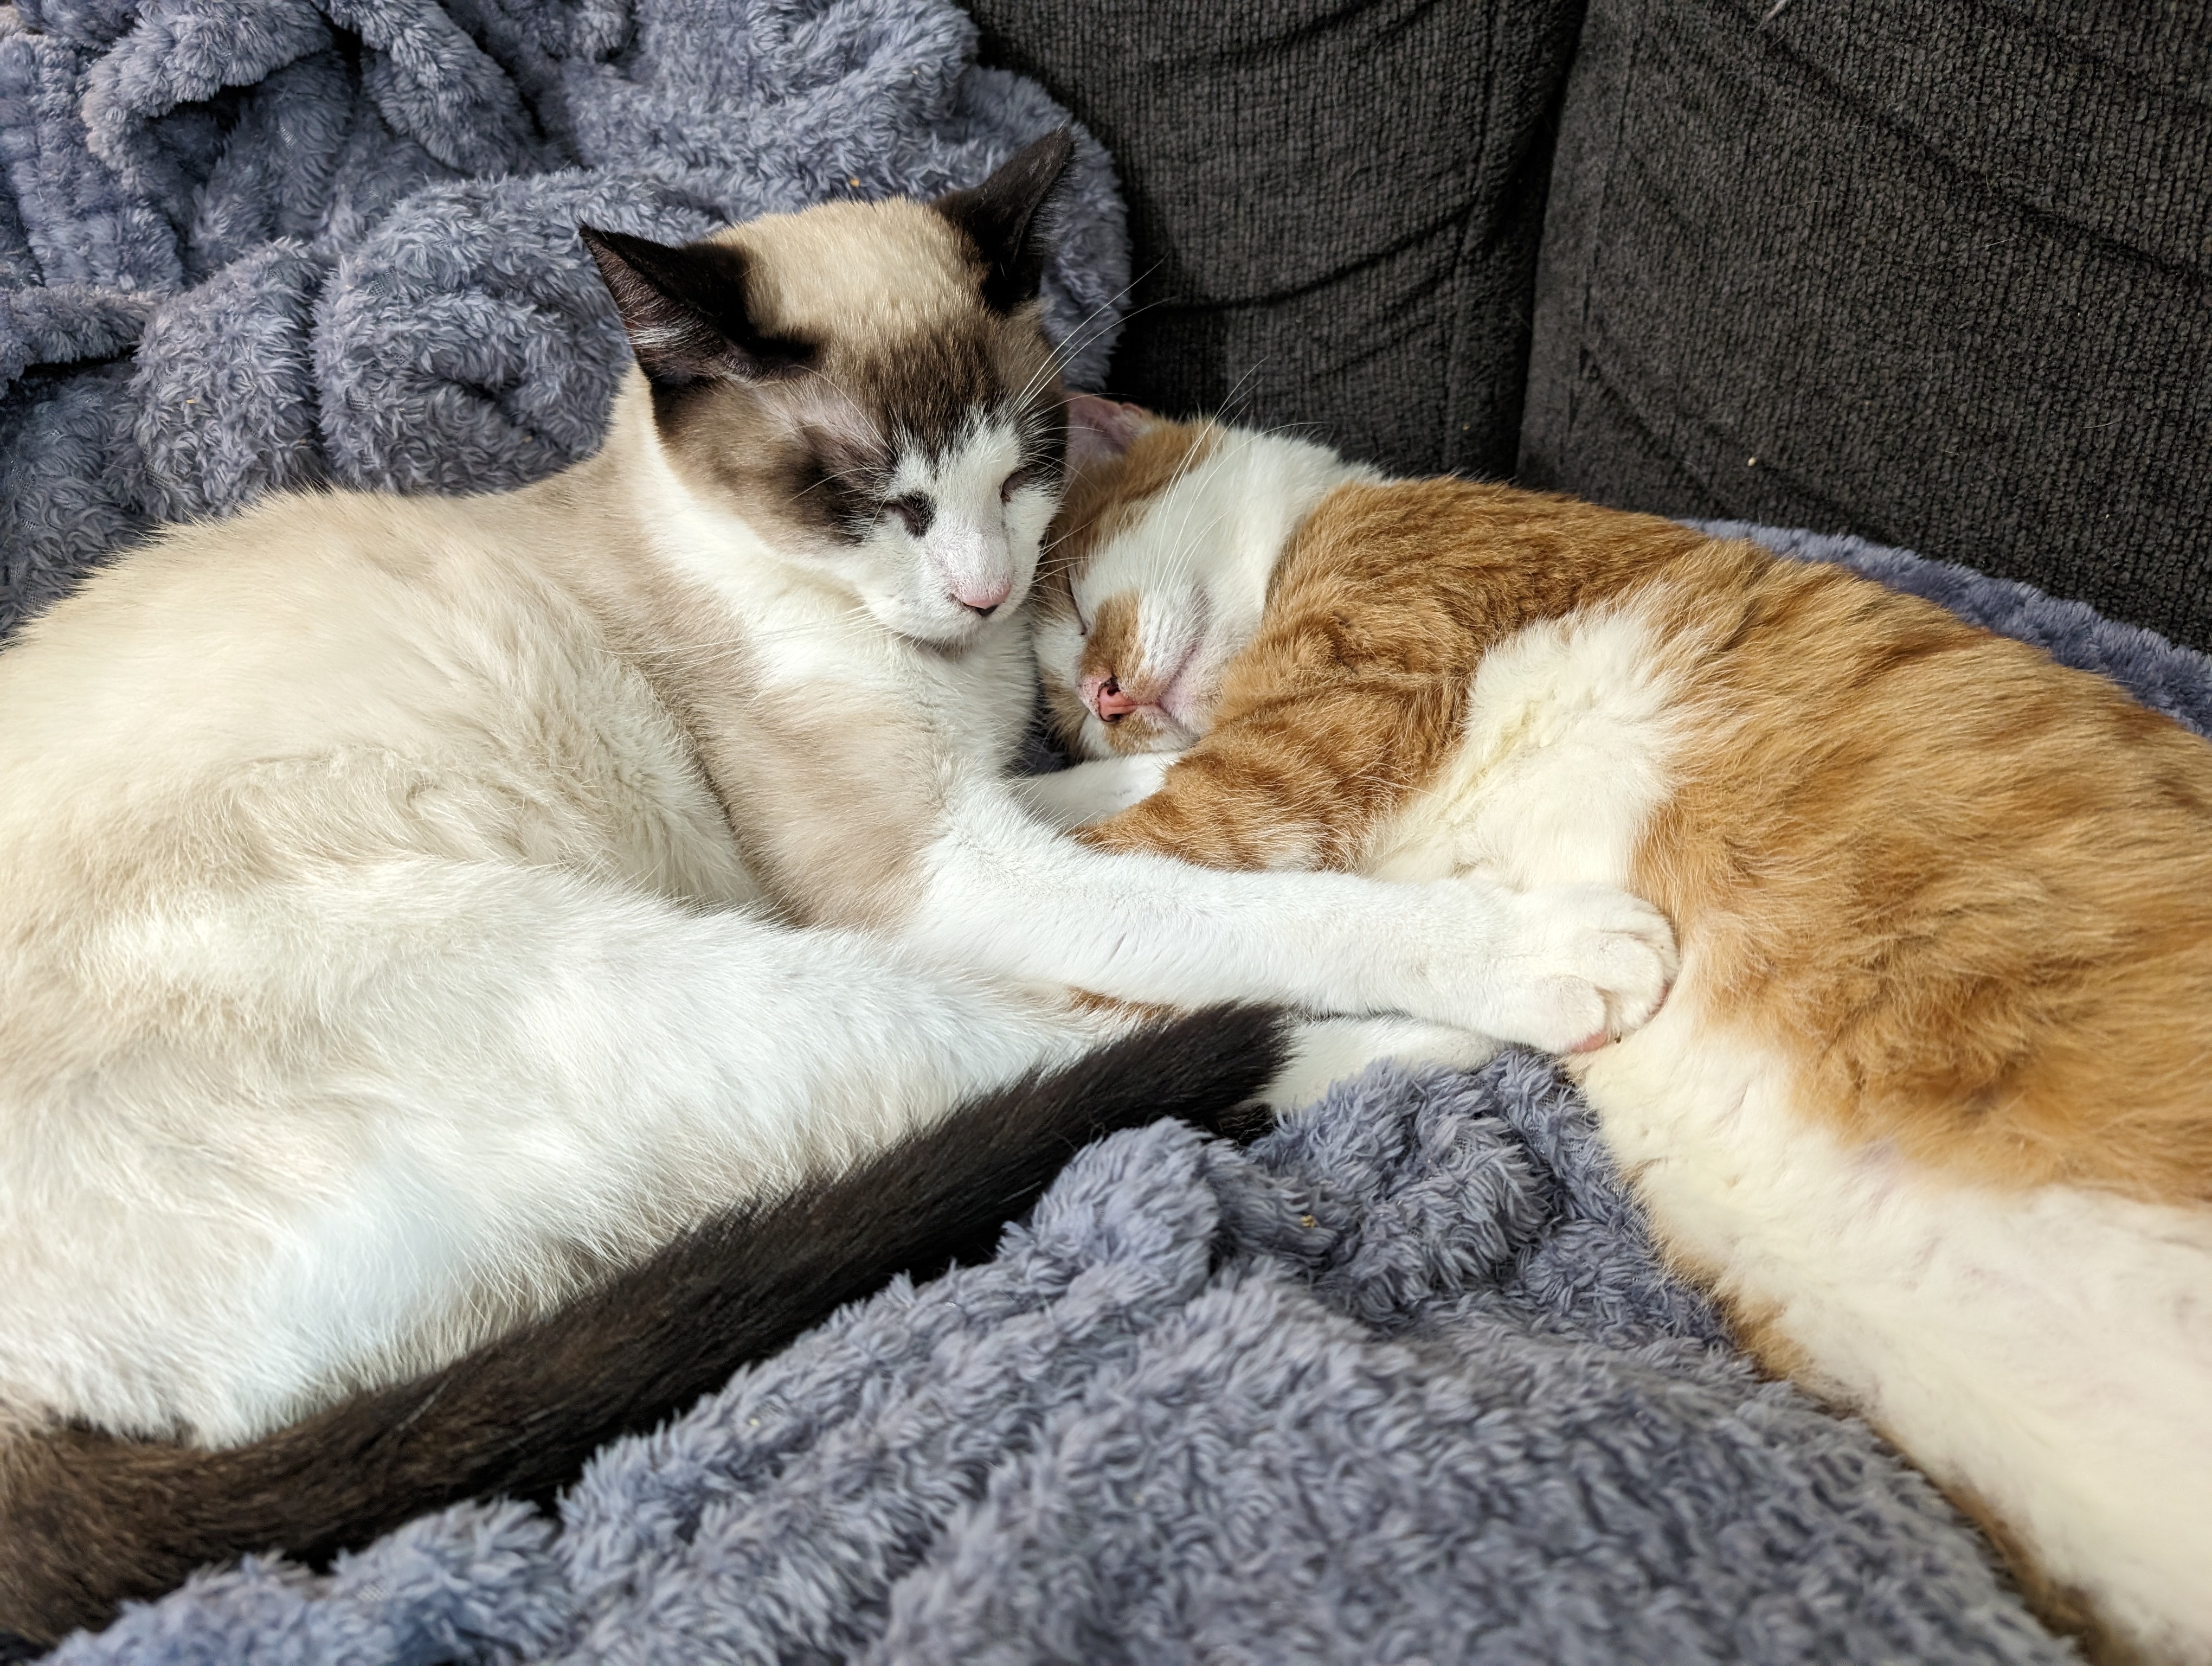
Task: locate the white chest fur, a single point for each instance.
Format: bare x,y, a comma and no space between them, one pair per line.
1569,727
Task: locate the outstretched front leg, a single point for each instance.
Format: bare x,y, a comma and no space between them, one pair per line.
1304,780
999,890
936,850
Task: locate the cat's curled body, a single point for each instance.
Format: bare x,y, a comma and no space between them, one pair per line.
1929,1107
411,910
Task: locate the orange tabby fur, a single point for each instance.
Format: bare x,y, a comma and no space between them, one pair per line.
1969,889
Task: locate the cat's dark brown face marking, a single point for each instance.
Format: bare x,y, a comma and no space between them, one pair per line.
866,386
817,455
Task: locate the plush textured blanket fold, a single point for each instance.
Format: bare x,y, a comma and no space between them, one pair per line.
249,244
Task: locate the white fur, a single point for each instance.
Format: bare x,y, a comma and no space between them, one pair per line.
1332,1050
973,546
1093,790
2049,1351
1003,895
1569,725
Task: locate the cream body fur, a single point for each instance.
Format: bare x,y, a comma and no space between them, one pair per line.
2043,1351
409,908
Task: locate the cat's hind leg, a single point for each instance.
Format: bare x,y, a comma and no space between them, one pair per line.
337,1132
1327,1050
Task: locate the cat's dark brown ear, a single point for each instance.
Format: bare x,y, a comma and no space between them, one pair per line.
1001,220
683,307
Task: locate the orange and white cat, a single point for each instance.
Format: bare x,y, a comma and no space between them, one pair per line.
1929,1107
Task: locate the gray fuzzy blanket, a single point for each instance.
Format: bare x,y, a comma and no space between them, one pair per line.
1403,1383
252,244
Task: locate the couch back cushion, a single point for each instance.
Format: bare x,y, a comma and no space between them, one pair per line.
1334,205
1933,271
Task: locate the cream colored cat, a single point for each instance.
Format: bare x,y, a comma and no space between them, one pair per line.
1931,1108
410,909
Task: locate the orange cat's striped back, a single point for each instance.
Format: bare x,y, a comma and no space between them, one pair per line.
1973,886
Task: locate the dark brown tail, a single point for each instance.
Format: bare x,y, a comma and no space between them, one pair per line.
88,1520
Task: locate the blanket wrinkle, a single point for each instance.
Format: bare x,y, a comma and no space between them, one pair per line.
80,227
333,241
799,1570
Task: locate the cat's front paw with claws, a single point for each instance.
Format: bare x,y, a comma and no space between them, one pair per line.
1582,966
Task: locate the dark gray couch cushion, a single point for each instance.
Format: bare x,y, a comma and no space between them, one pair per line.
1931,271
1335,206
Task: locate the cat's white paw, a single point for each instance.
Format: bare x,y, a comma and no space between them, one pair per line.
1139,778
1325,1051
1581,966
1086,792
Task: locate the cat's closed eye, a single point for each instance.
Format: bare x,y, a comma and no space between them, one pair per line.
1026,475
913,510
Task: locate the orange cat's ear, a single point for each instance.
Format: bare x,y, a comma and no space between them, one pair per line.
1098,428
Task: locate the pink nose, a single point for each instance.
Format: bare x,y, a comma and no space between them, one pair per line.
1103,694
983,594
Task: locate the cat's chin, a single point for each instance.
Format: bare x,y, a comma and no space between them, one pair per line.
942,629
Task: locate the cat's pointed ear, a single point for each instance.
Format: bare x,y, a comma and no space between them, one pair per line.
1001,219
684,308
1100,429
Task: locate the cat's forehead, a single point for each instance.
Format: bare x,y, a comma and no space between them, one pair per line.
851,272
1111,505
936,392
975,461
906,353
